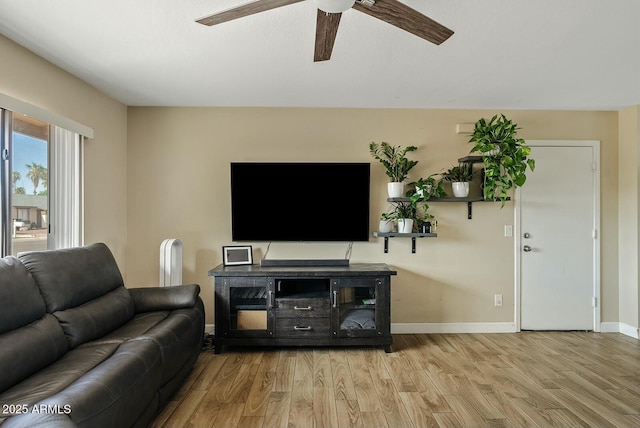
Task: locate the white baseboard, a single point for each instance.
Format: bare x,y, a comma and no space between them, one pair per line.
610,327
418,328
484,327
421,328
620,327
426,328
630,330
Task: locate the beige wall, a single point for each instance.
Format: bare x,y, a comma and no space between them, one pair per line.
629,200
154,173
29,78
179,188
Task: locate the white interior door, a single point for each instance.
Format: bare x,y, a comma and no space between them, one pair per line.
557,240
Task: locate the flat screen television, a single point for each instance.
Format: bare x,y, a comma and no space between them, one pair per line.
280,201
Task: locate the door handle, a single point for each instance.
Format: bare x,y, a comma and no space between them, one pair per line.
527,249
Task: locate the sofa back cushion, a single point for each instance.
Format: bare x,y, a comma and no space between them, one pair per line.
20,299
70,277
83,288
26,350
97,317
30,339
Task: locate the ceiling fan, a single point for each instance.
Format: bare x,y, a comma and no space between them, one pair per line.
328,19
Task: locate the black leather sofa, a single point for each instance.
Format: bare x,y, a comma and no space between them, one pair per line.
78,349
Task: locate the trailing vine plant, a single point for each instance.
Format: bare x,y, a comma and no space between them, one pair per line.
505,156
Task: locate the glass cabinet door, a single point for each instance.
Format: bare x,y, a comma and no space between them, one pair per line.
249,307
356,307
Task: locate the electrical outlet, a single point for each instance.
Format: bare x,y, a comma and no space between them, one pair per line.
497,300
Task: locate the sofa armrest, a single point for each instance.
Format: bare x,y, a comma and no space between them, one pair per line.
164,298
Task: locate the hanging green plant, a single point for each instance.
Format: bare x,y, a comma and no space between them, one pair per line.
505,156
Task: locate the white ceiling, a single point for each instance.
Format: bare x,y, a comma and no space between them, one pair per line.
520,54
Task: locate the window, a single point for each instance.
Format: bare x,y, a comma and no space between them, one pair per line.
40,186
29,184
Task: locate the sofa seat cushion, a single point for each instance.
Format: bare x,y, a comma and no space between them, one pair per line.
109,394
135,327
177,336
57,376
26,350
41,420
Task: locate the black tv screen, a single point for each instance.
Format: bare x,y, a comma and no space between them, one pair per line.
299,201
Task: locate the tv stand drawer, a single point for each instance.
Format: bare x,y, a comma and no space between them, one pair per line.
302,308
303,327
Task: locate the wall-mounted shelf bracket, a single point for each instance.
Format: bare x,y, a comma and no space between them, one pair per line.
413,236
471,159
469,200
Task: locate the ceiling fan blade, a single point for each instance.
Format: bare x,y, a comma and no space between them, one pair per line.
254,7
402,16
326,30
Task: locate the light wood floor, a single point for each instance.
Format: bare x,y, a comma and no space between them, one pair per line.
432,380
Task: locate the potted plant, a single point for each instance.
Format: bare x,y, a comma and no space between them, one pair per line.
386,222
406,212
412,214
459,176
426,188
505,156
396,164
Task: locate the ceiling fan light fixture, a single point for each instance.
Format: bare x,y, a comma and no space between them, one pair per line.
334,6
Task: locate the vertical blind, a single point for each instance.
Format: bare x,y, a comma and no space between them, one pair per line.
5,180
65,189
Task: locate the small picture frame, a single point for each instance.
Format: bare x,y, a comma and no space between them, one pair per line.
235,255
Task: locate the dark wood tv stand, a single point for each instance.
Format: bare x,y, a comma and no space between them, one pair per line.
303,306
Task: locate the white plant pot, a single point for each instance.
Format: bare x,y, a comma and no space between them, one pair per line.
405,225
386,226
460,190
491,153
395,189
423,192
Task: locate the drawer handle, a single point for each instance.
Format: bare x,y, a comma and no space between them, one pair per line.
302,328
308,308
